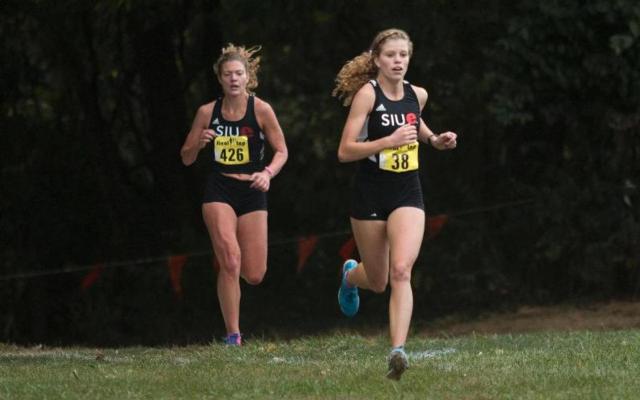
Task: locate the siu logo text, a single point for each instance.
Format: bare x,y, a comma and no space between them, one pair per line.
223,130
398,119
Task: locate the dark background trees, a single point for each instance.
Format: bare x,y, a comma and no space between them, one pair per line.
97,97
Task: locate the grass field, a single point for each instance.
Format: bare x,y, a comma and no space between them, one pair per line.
563,365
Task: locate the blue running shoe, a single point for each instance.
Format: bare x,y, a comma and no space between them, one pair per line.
398,363
348,296
235,339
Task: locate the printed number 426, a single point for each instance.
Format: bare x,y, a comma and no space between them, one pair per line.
231,155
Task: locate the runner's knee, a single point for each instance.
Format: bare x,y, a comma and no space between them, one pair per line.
378,285
400,272
231,262
254,277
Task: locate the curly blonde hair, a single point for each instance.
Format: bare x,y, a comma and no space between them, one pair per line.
246,56
360,69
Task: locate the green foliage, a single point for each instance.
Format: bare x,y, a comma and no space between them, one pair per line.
566,77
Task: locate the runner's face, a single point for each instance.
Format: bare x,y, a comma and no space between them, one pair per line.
233,78
393,60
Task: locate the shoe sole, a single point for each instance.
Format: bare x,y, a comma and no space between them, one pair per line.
397,365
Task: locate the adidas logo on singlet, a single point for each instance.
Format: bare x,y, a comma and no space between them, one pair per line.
216,122
381,107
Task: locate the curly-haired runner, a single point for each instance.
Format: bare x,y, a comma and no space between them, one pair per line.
233,130
387,209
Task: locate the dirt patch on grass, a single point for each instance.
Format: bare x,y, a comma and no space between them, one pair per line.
602,316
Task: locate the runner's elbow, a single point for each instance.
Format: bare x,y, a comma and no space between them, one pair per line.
343,156
186,159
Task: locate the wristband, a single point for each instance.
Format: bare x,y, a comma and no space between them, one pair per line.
269,171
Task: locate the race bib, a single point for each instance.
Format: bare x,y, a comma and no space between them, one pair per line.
232,150
399,159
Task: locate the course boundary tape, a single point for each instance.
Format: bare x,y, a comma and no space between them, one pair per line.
163,259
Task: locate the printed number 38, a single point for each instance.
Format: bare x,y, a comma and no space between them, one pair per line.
400,161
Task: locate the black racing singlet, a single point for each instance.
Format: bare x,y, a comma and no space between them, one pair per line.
387,116
239,145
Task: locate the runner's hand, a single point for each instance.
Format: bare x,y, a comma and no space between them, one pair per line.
261,181
206,136
403,135
445,141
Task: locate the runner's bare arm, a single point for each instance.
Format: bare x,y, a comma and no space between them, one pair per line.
274,135
198,136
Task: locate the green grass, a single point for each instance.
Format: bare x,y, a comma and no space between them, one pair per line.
579,365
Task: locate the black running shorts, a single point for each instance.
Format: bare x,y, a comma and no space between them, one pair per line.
376,197
236,193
